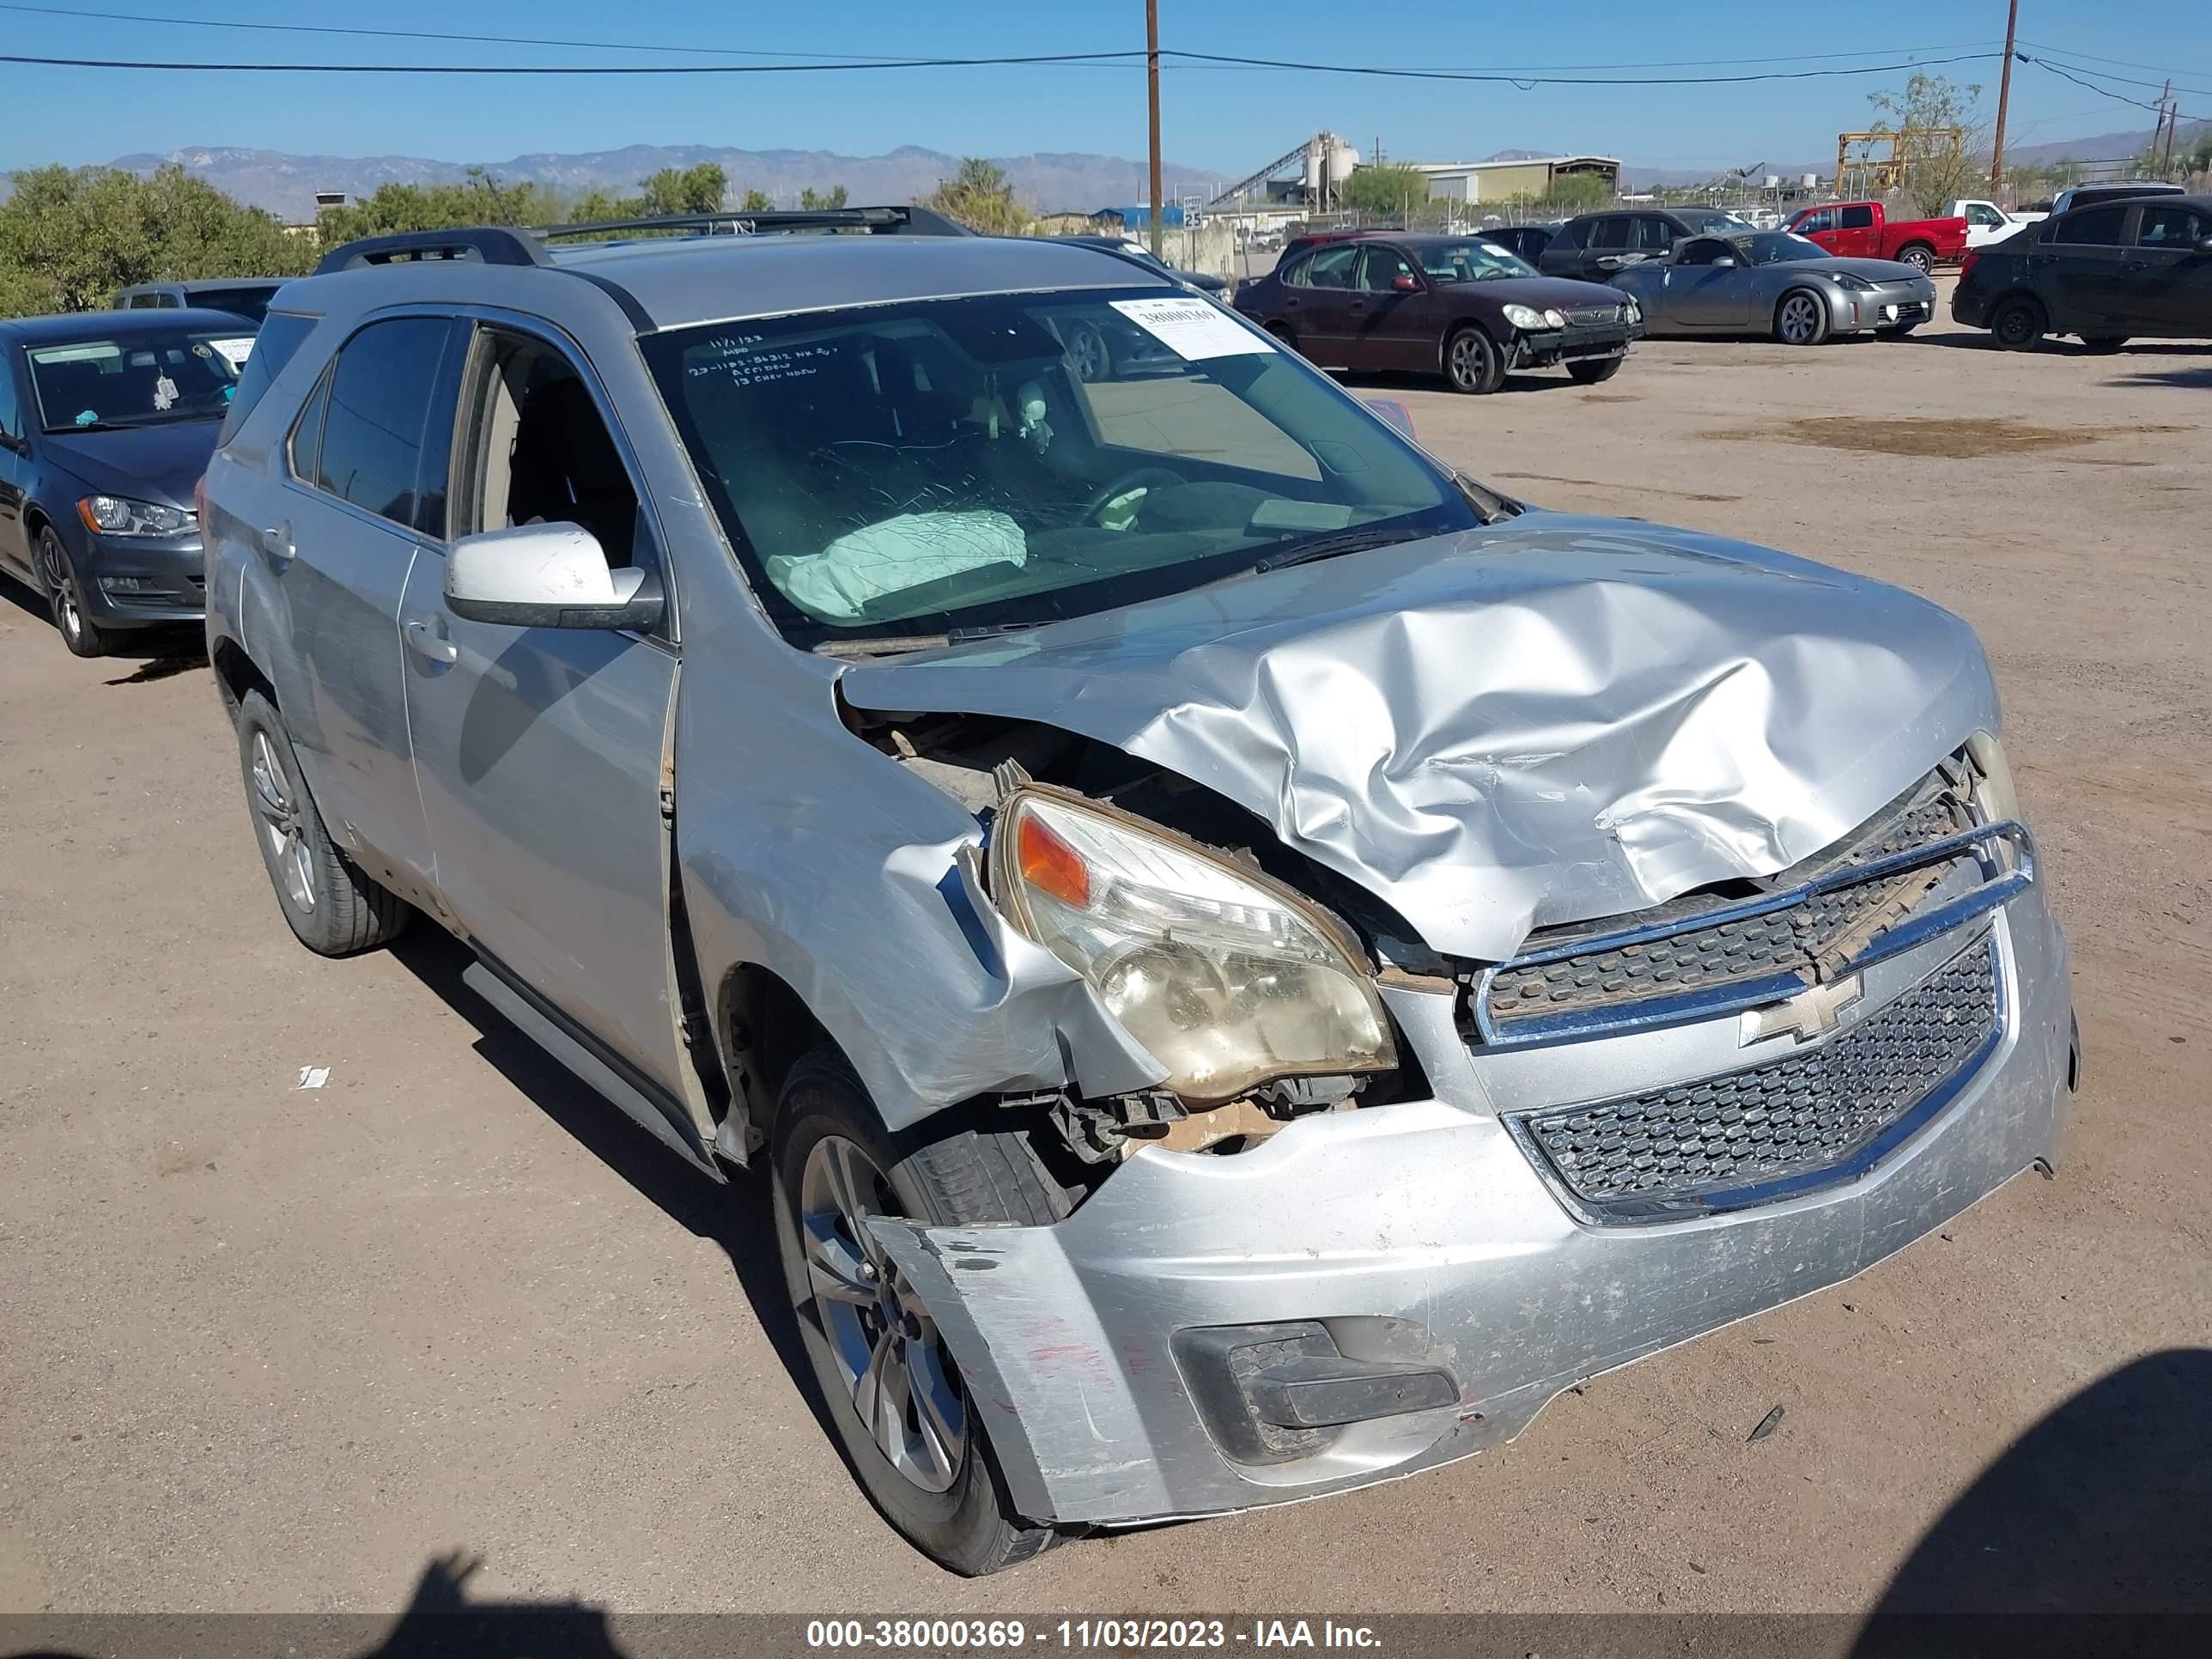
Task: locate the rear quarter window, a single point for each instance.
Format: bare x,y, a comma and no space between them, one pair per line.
281,336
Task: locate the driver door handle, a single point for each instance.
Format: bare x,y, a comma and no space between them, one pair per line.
428,638
276,541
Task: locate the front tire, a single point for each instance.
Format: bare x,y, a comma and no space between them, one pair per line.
2020,324
1801,318
1472,363
891,1388
1595,372
334,907
65,596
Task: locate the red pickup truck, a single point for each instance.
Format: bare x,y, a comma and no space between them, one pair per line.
1861,230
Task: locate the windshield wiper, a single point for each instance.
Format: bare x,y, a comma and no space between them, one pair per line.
1330,547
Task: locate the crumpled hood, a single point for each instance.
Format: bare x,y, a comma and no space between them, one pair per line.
1548,719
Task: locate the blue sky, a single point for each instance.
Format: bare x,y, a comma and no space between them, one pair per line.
1233,119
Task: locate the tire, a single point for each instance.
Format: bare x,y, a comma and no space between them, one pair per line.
1920,255
1595,372
832,1159
64,594
334,907
1472,363
1282,336
2103,342
1088,349
2018,324
1801,318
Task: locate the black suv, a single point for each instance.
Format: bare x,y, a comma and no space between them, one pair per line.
2107,273
1591,246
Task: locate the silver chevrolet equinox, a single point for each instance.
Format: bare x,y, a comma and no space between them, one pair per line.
1252,960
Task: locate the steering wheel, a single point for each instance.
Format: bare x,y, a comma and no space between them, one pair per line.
1134,482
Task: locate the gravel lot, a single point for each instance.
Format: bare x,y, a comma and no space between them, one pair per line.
274,1349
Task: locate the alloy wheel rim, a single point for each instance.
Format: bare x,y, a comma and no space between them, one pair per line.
1467,360
1799,319
889,1354
1091,361
61,585
279,821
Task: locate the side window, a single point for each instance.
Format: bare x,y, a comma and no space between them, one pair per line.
1381,267
1982,214
280,336
1858,218
1813,223
2170,227
1569,239
1332,267
11,420
1703,252
1653,234
2095,227
303,447
1609,233
384,447
536,450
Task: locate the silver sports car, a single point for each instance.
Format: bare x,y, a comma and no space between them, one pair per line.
1771,282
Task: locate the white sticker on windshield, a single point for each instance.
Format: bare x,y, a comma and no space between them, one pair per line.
237,350
1193,329
1502,252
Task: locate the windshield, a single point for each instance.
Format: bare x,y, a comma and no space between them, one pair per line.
1779,247
1717,224
148,378
913,470
1471,262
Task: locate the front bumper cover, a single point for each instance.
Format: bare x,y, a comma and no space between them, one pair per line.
1425,1216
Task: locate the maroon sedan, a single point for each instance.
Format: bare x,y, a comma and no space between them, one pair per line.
1461,306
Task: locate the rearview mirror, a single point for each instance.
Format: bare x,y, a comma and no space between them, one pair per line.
546,575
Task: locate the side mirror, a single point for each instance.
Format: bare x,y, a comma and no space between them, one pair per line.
1723,264
9,442
2204,245
546,575
1392,412
1405,285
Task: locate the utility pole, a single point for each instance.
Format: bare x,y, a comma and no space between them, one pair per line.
2004,97
1152,93
2169,118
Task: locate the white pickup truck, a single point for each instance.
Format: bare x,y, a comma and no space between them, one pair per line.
1986,221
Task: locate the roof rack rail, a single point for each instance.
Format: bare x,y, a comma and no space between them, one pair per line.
876,221
490,245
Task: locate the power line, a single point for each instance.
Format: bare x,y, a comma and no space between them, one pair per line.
2117,97
1525,81
2124,62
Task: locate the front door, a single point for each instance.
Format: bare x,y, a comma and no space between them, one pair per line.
363,493
2167,283
539,751
1700,296
1397,327
14,467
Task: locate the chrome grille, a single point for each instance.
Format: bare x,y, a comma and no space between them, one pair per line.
1590,316
1815,1114
1788,945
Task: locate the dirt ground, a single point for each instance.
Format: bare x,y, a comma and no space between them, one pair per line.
273,1348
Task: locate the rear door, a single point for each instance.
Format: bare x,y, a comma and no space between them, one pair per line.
1562,256
2083,285
539,751
1604,250
2166,283
1397,328
1317,298
364,492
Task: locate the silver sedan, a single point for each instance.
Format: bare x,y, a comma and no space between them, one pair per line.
1771,282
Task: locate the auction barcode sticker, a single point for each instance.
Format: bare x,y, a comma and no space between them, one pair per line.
1193,328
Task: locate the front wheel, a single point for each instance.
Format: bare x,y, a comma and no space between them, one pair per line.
1801,319
334,906
1920,258
1594,371
891,1387
1472,363
65,595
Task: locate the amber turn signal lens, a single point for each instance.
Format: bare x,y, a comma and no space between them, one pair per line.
1051,865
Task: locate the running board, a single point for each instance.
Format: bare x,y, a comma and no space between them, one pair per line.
550,1033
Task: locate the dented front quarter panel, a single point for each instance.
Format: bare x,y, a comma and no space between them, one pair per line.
1427,1211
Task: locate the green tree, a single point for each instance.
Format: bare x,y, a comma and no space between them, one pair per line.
69,239
1939,165
982,198
1390,192
682,190
479,199
1576,193
815,200
757,201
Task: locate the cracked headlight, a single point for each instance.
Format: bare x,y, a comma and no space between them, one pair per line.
1993,790
117,515
1229,978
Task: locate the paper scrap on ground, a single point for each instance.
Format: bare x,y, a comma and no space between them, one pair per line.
313,1077
892,556
1193,328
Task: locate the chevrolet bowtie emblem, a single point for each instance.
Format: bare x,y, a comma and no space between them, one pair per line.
1808,1014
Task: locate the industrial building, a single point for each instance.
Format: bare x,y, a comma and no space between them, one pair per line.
1521,179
